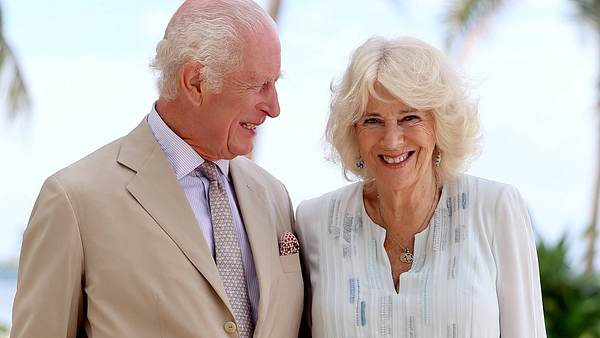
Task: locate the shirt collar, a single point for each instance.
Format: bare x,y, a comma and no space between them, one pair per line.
183,158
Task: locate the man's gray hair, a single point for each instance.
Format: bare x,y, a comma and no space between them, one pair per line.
210,32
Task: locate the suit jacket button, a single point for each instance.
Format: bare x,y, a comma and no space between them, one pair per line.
230,327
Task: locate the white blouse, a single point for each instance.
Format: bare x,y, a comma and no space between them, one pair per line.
475,270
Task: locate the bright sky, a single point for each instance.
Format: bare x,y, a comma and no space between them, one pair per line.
86,64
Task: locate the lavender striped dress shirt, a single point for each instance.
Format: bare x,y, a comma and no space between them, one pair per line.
184,161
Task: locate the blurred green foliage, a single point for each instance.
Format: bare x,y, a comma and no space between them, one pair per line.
571,298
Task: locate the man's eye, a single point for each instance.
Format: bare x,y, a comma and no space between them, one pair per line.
265,86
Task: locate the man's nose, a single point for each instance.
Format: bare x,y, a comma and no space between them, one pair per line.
270,106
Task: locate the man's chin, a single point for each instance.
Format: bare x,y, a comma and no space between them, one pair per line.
242,151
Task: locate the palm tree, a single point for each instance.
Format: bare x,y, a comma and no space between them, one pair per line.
465,19
273,9
17,98
589,12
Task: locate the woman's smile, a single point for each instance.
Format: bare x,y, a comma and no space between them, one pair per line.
396,161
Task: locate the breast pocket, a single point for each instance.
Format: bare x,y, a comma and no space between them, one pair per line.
290,263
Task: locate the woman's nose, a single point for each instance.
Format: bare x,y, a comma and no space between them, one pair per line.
393,135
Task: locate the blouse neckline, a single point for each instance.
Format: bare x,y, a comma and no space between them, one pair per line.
419,250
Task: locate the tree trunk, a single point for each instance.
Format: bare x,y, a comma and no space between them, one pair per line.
273,9
592,232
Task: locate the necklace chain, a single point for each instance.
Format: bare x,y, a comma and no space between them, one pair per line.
407,256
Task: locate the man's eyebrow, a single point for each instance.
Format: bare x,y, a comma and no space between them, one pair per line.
255,78
272,79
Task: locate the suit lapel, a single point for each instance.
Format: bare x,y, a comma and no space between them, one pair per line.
157,190
262,233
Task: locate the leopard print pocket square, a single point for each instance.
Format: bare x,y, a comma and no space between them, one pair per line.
288,244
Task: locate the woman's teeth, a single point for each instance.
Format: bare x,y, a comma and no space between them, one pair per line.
395,160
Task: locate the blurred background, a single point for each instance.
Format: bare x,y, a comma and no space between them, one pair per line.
75,76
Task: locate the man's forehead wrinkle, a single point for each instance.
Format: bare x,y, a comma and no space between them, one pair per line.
254,77
240,82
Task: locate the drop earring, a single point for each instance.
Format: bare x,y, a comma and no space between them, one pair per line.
360,163
438,159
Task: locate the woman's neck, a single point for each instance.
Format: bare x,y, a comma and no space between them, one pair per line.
406,209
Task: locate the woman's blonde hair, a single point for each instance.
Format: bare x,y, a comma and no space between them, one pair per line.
421,77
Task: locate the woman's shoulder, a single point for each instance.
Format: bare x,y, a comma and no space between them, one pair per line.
320,208
491,199
493,207
343,194
486,189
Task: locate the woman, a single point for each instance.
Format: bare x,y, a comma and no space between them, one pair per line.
416,248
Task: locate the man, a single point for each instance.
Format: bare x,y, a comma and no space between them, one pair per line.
168,231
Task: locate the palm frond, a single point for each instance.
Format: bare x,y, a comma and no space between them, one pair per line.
466,16
589,12
17,98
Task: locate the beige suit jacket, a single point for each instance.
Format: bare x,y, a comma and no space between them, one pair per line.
113,249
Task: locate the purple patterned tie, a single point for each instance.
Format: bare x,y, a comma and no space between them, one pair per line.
228,253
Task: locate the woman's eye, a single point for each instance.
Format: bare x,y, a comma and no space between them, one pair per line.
411,118
371,120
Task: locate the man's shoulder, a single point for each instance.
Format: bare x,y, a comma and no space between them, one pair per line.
102,165
249,167
105,160
96,171
94,162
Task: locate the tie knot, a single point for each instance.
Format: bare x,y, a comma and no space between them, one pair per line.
210,171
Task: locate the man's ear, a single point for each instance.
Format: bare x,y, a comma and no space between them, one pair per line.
191,81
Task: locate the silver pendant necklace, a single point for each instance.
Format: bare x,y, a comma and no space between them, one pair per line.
407,256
